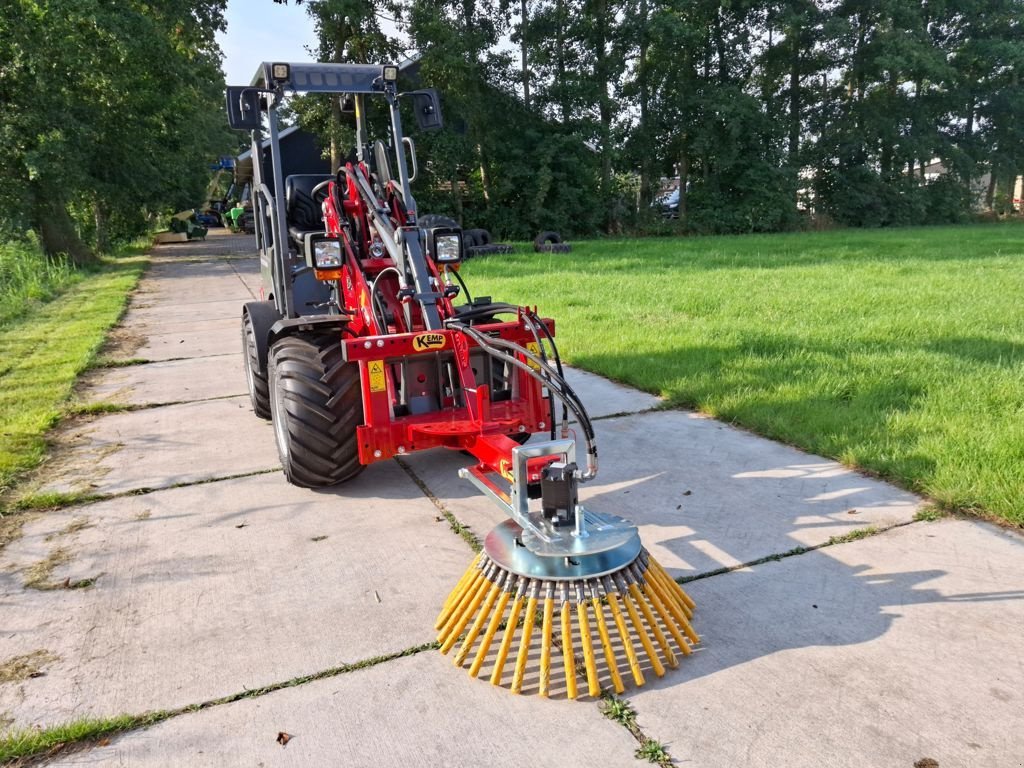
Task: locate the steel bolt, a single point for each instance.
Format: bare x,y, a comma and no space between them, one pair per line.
540,424
401,449
377,454
380,342
367,344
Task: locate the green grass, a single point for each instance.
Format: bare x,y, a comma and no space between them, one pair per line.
900,352
27,742
27,278
42,352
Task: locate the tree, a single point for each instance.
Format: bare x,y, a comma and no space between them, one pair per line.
120,119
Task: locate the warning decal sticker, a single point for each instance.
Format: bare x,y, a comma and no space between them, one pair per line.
377,381
534,347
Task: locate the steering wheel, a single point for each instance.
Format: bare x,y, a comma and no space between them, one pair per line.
319,193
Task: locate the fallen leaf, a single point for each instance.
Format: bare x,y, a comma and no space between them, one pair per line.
240,525
66,583
687,493
103,743
679,506
283,738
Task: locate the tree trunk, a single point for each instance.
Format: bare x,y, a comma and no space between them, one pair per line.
990,193
684,177
563,102
337,151
604,108
484,179
100,218
456,194
643,77
794,96
522,43
56,228
723,67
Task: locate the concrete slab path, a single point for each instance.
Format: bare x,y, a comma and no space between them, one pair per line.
205,578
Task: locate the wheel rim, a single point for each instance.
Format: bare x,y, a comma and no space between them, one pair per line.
278,416
247,347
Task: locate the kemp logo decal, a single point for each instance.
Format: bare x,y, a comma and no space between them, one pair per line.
425,341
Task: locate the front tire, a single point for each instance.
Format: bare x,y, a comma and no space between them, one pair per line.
259,388
316,405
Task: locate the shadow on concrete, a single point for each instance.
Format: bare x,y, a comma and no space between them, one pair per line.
814,600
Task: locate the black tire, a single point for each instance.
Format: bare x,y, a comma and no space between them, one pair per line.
316,403
259,388
546,238
478,238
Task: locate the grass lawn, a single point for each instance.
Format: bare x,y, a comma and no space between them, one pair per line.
899,351
42,353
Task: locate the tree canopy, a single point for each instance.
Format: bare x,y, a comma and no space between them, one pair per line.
111,111
568,113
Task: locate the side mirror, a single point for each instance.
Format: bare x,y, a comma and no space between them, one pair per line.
427,107
243,104
348,103
323,251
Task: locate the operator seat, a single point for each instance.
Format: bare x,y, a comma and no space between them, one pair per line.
302,211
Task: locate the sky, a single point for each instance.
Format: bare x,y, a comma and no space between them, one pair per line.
262,30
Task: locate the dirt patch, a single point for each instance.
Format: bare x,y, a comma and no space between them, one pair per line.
76,525
74,458
122,342
39,575
30,665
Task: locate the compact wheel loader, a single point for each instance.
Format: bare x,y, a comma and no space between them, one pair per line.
367,346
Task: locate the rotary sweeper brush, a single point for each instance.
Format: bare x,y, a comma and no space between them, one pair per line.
358,353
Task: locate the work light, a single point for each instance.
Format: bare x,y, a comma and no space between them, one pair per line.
280,72
323,251
445,245
326,254
390,73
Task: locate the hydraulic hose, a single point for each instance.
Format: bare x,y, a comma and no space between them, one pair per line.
558,386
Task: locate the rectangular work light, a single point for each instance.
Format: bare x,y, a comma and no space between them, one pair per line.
323,251
444,245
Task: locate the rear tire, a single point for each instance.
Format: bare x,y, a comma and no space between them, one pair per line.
259,387
316,404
